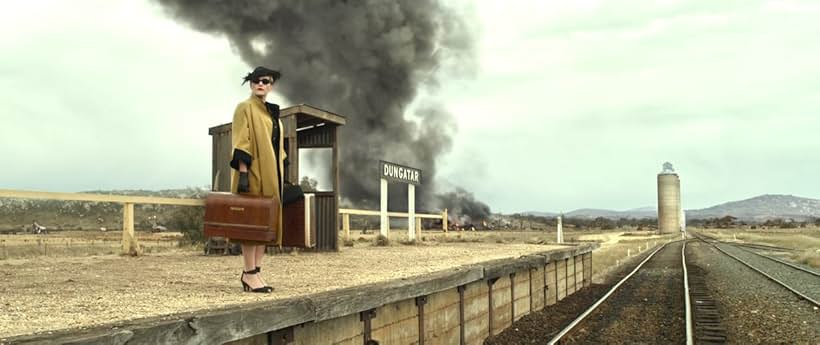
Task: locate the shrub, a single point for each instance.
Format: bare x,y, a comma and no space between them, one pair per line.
188,221
382,241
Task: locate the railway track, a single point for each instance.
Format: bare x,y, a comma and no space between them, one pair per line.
666,299
803,282
765,247
649,305
704,322
670,298
704,237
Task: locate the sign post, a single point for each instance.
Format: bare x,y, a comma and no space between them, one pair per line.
411,212
384,220
399,173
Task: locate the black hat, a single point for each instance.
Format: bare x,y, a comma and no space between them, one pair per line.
259,72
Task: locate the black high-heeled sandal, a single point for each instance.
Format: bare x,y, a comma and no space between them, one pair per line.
259,269
247,288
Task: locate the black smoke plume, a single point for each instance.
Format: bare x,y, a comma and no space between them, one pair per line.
465,208
365,59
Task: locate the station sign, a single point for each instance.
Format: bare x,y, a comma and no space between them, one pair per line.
399,173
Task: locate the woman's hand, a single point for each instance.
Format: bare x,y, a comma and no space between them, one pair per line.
244,184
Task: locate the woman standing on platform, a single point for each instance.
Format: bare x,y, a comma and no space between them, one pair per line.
258,164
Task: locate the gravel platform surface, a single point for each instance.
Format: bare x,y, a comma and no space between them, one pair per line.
753,309
53,293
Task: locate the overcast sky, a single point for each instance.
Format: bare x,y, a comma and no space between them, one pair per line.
575,103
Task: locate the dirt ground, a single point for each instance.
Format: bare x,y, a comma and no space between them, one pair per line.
49,293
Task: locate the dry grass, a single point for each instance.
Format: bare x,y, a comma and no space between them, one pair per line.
382,241
805,241
605,259
411,242
618,248
613,251
80,243
620,251
808,238
399,236
807,257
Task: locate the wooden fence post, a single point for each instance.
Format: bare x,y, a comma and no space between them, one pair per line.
418,228
411,212
346,226
444,220
130,246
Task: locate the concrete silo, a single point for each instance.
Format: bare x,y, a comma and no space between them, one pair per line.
669,210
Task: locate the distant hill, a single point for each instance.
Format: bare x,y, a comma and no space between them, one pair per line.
763,207
642,212
539,214
757,209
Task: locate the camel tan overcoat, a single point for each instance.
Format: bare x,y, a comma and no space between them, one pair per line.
251,138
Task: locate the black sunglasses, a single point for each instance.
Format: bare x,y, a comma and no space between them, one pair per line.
263,81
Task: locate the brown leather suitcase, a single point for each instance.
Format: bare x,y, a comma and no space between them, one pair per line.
240,217
299,223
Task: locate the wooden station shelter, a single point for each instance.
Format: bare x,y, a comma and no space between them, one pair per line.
304,127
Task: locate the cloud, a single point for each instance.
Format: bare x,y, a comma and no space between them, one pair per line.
593,100
110,95
576,103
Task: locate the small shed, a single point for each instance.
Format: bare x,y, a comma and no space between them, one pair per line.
304,127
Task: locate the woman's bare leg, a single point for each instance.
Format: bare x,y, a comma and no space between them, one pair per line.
249,256
260,253
249,260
